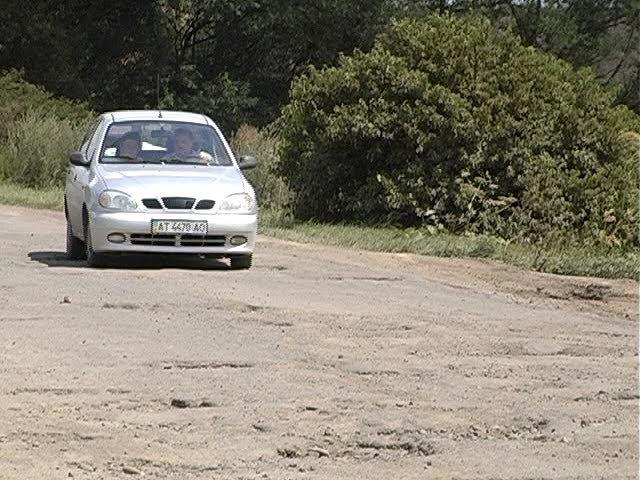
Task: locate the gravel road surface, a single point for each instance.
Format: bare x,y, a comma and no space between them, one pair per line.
318,363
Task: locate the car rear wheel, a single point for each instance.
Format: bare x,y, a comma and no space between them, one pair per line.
75,246
241,262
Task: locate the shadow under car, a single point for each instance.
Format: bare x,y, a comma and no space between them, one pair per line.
134,261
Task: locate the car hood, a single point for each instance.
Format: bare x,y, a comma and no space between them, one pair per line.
153,181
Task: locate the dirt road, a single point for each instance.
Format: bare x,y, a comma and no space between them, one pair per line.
319,363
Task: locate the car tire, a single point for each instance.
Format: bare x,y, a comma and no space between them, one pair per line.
241,262
75,246
94,259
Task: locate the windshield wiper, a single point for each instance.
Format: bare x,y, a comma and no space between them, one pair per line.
180,161
127,160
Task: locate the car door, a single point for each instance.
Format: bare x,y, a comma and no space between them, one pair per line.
78,179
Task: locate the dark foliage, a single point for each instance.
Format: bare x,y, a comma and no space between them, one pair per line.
451,122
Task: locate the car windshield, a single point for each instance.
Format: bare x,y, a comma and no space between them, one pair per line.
162,143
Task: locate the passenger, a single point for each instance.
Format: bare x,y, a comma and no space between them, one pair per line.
129,146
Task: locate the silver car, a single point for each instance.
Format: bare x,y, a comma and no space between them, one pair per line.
161,182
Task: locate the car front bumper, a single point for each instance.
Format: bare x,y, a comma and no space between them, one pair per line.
136,227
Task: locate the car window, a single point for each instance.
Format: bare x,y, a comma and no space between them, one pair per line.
84,146
94,142
163,142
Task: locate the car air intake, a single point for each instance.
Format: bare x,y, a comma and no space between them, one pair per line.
178,240
152,203
203,240
178,203
205,205
154,240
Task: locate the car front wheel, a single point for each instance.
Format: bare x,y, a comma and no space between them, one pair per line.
241,262
75,246
94,259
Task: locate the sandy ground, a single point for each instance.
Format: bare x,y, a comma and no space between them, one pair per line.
318,363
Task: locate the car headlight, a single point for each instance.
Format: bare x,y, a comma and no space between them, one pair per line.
238,203
114,200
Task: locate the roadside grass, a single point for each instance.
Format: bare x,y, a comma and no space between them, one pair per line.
46,198
551,258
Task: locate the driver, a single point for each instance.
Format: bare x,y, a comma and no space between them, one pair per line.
184,144
184,147
129,146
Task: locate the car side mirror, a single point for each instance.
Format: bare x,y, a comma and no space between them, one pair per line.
79,159
246,162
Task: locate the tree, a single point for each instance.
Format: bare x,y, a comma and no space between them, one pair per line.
109,55
254,48
33,38
601,34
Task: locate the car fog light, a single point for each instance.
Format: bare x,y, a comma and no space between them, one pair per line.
238,240
116,237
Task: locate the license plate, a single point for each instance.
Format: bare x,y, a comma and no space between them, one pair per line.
179,227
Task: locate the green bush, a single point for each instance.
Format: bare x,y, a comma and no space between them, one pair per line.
453,123
270,188
37,132
36,151
18,97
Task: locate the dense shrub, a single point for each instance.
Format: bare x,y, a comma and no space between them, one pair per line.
451,122
37,132
270,189
36,151
18,97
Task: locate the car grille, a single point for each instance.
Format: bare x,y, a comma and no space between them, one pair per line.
178,240
152,203
205,205
178,203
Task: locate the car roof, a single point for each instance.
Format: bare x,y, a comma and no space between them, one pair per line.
166,115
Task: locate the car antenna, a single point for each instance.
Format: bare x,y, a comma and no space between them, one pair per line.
158,94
